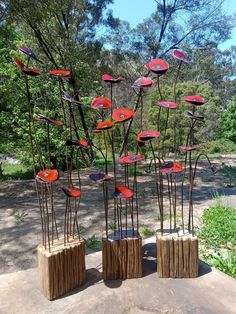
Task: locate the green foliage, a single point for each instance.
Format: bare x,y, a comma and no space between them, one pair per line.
93,243
224,261
230,174
17,172
220,146
147,232
20,216
229,121
219,225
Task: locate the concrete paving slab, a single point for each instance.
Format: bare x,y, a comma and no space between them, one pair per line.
211,293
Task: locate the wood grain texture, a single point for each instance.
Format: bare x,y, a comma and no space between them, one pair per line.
63,269
177,256
122,258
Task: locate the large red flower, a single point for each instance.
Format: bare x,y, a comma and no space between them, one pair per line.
171,167
105,125
101,103
168,104
147,136
28,71
122,191
195,100
111,79
130,159
179,55
47,176
143,82
158,66
122,114
60,73
53,122
71,192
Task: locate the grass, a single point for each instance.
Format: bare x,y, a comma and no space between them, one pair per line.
93,243
230,174
147,232
16,172
20,216
218,238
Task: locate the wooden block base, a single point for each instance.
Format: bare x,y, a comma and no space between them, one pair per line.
62,269
177,256
122,257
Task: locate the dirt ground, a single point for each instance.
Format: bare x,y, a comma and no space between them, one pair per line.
20,230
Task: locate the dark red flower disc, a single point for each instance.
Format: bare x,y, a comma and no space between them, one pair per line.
72,143
168,104
67,97
28,52
189,148
71,192
195,100
101,103
105,125
111,79
171,167
44,118
122,114
179,55
99,177
60,73
122,191
143,82
47,176
130,159
158,66
28,71
147,136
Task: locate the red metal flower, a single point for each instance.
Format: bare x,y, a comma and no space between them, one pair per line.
111,79
168,104
105,125
71,192
28,52
122,114
101,103
195,100
171,167
143,82
67,97
130,159
99,177
28,71
82,144
179,55
47,176
60,73
189,148
122,191
53,122
158,66
147,136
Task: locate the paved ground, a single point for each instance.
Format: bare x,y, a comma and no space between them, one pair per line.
211,293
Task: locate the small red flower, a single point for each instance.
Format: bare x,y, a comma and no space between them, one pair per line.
123,192
130,159
143,82
189,148
122,114
47,176
53,122
105,125
71,192
111,79
147,136
168,104
60,73
158,66
101,103
171,167
195,100
179,55
28,71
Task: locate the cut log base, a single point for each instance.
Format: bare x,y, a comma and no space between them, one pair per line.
122,257
63,269
177,256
